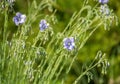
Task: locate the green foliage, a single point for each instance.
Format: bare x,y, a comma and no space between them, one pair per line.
29,56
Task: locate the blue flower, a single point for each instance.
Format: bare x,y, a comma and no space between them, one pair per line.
103,1
43,25
69,43
19,18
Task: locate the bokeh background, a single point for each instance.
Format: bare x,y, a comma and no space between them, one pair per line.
107,41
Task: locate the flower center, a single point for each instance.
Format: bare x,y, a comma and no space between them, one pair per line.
69,43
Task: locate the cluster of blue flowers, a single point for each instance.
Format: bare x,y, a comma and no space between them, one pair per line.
68,43
20,18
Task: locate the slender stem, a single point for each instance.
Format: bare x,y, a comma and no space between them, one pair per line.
83,45
4,34
74,18
87,71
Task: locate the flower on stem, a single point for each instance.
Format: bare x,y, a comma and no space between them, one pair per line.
103,1
43,25
19,18
69,43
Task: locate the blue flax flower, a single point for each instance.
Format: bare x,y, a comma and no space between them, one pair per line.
103,1
69,43
19,18
43,25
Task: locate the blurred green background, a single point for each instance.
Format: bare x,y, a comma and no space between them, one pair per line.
107,41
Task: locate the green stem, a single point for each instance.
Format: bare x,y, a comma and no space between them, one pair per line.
87,71
4,35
